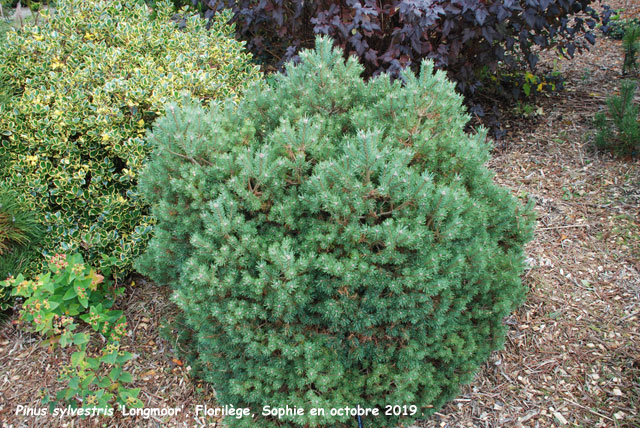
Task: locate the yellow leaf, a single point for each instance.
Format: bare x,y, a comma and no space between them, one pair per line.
141,123
149,373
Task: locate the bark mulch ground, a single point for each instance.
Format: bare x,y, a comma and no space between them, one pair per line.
572,352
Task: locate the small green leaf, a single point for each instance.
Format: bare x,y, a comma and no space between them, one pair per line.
69,392
60,395
126,377
70,294
87,381
93,363
114,316
74,382
104,382
84,302
65,339
77,358
115,373
80,338
125,393
110,358
124,357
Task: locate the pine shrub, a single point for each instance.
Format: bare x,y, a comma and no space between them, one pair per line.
333,242
619,130
631,46
89,80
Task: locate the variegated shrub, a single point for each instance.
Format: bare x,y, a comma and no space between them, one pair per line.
90,80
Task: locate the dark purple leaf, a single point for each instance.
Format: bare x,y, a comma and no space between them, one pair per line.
481,15
590,37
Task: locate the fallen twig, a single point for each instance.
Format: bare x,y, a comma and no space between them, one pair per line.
588,409
563,227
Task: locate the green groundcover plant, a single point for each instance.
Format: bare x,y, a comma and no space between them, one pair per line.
334,242
89,80
70,295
